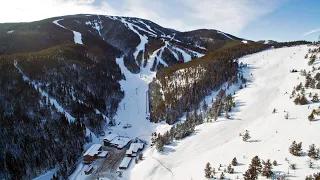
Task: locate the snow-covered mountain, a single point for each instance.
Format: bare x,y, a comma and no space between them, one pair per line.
67,81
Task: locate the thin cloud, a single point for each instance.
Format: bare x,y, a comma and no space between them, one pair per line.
311,32
226,15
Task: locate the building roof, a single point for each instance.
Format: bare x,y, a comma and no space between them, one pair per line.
88,168
125,162
93,150
110,137
134,147
103,154
120,142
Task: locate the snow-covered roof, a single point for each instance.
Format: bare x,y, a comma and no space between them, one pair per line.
88,168
134,147
110,137
125,162
93,150
103,154
120,142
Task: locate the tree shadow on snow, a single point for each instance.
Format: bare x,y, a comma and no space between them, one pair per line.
256,140
167,150
239,164
279,173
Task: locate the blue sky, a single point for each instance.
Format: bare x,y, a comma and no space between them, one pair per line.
290,21
282,20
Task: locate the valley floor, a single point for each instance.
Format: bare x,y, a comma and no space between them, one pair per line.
219,142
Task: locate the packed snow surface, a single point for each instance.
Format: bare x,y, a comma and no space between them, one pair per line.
219,142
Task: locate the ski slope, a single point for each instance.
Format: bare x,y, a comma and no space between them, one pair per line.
219,142
76,35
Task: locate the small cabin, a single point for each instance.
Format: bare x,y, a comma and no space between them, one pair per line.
109,138
134,149
93,153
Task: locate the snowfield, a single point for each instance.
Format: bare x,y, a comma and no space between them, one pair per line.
219,142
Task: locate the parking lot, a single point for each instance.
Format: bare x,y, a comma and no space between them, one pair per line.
109,165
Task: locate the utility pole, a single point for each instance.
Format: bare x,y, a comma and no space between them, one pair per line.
147,101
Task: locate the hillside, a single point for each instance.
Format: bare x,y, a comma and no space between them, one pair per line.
46,98
269,85
70,65
135,38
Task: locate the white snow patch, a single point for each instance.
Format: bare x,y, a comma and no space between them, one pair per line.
225,34
77,36
244,42
186,56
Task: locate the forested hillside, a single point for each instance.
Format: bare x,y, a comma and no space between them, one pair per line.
181,88
48,99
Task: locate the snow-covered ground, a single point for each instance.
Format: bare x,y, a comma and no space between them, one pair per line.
218,143
47,175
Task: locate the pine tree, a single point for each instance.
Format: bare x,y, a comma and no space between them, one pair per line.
222,176
313,152
159,143
246,136
310,164
266,171
208,171
250,174
311,116
293,166
230,170
299,149
256,164
286,116
204,105
275,163
295,149
254,169
141,157
234,162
